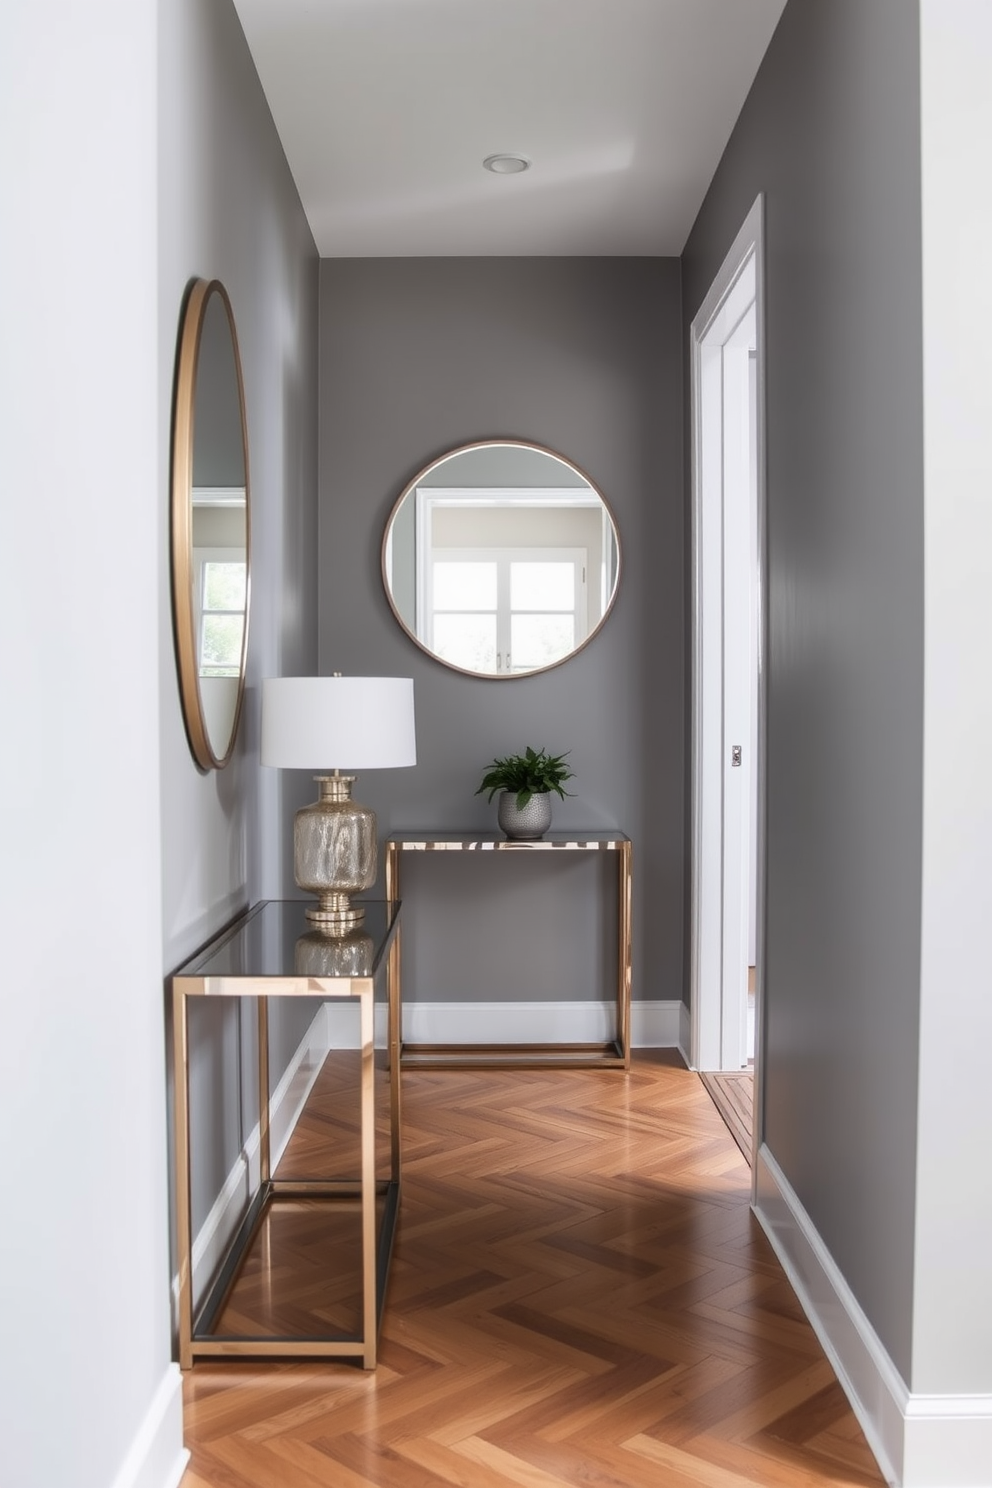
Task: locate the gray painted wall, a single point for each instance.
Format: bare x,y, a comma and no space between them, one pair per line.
218,455
583,356
831,134
229,210
502,467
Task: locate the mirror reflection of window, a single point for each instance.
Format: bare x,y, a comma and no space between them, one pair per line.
222,596
501,559
506,610
210,524
463,618
547,610
220,600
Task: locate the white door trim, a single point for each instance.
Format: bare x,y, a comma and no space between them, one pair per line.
741,279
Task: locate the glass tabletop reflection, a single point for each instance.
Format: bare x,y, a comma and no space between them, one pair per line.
275,939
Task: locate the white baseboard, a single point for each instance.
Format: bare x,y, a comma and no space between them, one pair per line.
290,1095
920,1441
157,1457
344,1029
948,1442
653,1024
288,1100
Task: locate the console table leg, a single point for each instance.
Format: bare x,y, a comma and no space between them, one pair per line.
392,872
184,1239
264,1159
395,1033
625,860
369,1308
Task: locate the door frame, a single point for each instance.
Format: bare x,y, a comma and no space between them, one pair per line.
707,764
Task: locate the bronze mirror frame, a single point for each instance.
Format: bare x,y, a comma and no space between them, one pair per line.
208,753
409,490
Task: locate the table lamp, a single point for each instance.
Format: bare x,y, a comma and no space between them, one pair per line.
336,724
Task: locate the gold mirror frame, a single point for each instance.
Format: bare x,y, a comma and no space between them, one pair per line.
528,447
209,753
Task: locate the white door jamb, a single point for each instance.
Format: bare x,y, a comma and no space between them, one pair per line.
715,1030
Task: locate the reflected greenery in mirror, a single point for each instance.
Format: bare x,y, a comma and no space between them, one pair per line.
501,559
210,524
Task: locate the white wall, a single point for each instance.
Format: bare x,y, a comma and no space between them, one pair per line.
83,1246
953,1290
137,153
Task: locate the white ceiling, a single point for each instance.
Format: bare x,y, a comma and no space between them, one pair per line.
387,108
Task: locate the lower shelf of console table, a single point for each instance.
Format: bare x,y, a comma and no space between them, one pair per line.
612,1053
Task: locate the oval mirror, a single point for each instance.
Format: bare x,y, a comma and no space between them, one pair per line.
210,524
501,559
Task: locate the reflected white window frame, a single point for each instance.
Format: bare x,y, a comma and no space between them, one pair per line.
503,558
201,557
489,621
489,612
428,500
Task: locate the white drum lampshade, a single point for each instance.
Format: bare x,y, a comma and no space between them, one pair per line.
336,726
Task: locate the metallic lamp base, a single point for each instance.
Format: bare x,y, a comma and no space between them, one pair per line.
334,854
335,912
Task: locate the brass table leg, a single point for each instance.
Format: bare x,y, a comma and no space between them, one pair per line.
264,1152
184,1238
369,1308
624,891
395,1033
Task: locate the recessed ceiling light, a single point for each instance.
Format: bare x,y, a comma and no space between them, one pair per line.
506,165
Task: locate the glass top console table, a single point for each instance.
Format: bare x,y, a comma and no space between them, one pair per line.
274,951
616,1051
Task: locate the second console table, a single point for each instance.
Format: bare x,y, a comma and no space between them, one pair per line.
615,1052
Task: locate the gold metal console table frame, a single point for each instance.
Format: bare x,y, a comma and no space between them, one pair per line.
196,1330
613,1054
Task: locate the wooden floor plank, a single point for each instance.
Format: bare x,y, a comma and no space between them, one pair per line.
580,1298
732,1093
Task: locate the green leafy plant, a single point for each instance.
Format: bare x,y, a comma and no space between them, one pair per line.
526,775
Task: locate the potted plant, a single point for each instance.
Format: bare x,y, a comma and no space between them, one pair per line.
525,782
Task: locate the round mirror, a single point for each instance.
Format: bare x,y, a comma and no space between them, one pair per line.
501,559
210,524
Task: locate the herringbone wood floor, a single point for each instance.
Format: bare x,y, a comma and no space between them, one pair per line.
579,1296
733,1095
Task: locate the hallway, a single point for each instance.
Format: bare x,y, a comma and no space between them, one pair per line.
579,1295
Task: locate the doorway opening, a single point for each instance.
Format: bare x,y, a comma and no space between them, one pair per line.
728,627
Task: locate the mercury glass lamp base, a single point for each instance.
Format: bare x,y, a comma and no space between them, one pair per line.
335,912
334,853
338,952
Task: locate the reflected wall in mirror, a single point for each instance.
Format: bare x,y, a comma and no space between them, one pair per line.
501,559
210,524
